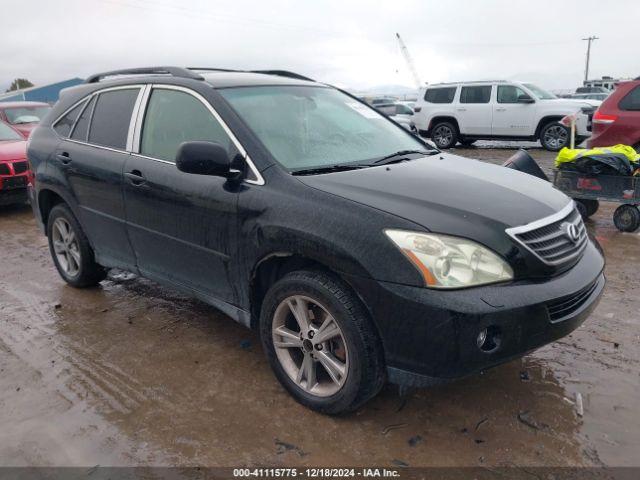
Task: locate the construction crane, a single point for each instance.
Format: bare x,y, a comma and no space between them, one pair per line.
407,58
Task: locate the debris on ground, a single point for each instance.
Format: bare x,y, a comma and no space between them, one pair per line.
283,447
395,426
415,440
579,405
526,418
524,376
399,463
245,344
484,420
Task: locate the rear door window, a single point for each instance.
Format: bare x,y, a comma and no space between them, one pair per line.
631,100
82,125
64,125
111,118
479,94
173,117
440,95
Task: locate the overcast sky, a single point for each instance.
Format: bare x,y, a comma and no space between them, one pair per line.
344,42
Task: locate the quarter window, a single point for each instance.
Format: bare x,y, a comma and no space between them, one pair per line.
82,126
111,118
631,101
480,94
510,94
174,117
64,125
440,95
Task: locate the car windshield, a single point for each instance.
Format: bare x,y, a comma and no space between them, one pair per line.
313,127
8,134
19,115
540,93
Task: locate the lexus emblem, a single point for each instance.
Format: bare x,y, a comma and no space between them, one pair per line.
570,231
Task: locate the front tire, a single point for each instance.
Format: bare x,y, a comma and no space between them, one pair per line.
554,136
70,249
321,343
627,218
444,135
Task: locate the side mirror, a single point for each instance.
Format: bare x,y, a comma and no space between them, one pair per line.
204,158
525,99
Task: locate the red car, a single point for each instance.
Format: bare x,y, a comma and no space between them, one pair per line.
617,120
23,116
14,168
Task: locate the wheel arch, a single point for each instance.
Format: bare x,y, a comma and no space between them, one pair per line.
47,199
274,266
443,118
544,121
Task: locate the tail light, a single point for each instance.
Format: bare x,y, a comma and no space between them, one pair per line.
604,118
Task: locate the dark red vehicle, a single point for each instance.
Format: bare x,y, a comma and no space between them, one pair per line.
14,168
617,120
23,116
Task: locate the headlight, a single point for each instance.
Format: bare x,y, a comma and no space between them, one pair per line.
450,262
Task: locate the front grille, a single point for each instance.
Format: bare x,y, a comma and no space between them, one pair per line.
13,182
20,167
555,240
4,169
562,308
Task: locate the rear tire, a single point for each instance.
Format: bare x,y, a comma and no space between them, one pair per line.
70,249
330,376
554,136
444,135
627,218
590,207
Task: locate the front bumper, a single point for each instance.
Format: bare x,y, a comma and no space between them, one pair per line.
430,336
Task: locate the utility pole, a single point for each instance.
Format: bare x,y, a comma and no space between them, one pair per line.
586,69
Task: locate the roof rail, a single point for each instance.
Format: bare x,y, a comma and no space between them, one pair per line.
172,71
283,73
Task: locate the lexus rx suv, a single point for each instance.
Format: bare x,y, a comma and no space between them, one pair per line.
360,253
465,112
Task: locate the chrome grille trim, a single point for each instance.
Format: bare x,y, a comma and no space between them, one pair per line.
546,240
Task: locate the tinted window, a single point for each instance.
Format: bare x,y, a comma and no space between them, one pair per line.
173,117
82,126
440,95
111,118
631,101
63,126
510,94
17,116
475,94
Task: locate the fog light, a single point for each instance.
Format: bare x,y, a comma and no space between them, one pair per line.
482,337
489,339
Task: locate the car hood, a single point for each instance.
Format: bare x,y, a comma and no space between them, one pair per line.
570,103
449,194
13,150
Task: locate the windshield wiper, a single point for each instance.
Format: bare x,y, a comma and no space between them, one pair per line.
341,167
401,156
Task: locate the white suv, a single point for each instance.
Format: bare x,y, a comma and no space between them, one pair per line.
490,110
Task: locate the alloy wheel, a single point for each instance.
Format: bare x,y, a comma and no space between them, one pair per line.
442,135
556,136
65,246
310,345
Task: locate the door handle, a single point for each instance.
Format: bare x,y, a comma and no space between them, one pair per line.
501,109
135,177
64,157
462,109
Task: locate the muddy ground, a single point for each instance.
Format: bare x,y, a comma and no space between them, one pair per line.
131,373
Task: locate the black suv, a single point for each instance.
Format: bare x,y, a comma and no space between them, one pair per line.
359,252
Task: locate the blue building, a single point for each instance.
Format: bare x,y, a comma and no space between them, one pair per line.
42,93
